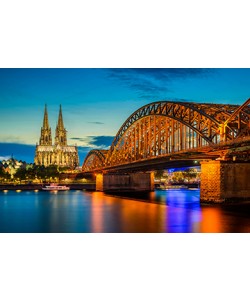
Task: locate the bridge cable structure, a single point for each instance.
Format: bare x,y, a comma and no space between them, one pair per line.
168,128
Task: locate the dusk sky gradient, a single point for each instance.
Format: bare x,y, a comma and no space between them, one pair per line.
95,102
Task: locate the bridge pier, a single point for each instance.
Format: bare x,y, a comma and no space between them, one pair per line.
223,181
125,182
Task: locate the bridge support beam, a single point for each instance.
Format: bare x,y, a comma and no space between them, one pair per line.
125,182
223,181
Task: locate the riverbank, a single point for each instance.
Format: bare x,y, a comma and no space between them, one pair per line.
32,187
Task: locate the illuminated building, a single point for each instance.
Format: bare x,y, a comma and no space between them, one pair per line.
60,153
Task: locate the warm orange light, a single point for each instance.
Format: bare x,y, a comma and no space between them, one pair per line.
211,220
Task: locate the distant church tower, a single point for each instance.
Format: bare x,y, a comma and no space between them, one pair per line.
61,133
45,139
60,153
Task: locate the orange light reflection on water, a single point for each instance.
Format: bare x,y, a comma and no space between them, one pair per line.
143,217
211,220
97,212
170,212
128,214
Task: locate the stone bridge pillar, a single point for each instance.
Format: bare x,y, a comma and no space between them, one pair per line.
125,182
224,181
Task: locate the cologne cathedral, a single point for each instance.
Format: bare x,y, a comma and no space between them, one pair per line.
60,153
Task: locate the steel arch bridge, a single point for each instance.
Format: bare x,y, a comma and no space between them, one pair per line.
166,128
95,159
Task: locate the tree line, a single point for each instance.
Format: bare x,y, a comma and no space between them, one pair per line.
38,172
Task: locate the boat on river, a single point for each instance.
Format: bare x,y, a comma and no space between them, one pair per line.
55,187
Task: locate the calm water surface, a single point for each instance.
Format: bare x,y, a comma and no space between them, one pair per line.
80,211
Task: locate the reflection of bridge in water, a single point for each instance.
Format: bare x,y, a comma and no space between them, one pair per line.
170,134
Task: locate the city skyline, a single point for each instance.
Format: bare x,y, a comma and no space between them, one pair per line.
96,102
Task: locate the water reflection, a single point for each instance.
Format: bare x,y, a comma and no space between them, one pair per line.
184,212
212,220
96,213
170,211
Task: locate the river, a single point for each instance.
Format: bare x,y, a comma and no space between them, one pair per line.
81,211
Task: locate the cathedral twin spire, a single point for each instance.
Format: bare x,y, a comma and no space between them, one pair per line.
48,154
45,139
45,118
61,133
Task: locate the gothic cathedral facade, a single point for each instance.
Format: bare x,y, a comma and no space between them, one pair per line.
60,153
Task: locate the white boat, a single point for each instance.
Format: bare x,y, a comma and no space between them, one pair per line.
55,187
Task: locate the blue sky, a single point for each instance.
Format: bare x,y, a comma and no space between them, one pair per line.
95,102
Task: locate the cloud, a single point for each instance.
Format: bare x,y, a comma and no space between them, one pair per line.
11,139
93,142
97,142
79,139
99,123
87,143
104,141
154,82
5,157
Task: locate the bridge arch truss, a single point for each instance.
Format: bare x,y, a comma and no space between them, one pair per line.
166,127
94,160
